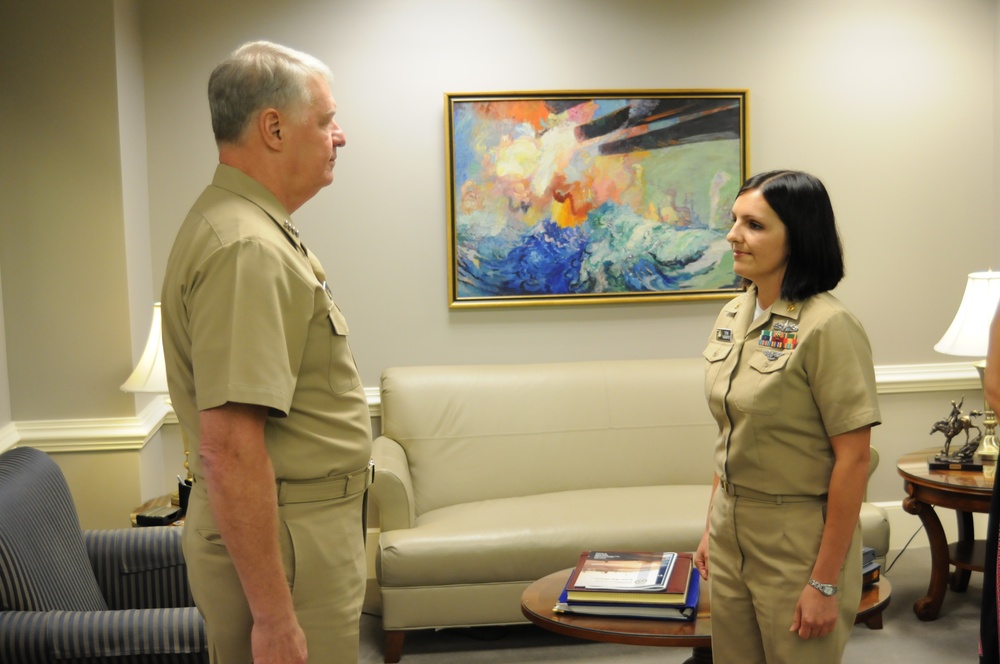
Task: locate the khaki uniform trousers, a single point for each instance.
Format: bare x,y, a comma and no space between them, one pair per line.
761,555
322,548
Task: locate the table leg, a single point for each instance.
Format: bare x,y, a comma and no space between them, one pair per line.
928,607
966,540
700,655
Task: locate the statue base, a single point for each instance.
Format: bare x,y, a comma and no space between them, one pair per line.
941,462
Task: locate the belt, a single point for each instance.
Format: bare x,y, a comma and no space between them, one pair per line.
743,492
326,488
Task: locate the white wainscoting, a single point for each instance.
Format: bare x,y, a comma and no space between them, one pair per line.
122,433
132,433
106,434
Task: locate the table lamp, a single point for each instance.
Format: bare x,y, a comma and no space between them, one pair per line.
969,335
150,376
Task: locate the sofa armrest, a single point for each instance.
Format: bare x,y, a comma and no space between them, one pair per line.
872,465
139,568
392,490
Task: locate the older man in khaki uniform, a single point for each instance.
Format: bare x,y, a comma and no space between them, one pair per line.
263,380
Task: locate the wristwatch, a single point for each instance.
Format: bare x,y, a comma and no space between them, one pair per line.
825,588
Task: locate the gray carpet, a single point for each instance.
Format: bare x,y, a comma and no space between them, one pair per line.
953,637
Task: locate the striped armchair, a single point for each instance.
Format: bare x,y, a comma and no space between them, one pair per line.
67,595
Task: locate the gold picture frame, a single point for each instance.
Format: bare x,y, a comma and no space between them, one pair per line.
592,197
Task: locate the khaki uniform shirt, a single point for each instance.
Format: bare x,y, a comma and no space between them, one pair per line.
781,386
248,318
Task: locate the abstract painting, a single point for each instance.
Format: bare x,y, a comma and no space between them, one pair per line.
587,197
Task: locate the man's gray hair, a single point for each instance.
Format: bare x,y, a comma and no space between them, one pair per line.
256,76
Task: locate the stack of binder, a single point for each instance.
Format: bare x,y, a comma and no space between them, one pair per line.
632,584
871,571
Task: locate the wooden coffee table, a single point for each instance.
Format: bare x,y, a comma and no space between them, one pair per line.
539,598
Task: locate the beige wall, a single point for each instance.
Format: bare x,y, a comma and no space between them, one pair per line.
107,141
889,101
5,418
62,233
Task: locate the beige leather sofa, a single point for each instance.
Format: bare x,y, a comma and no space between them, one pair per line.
490,477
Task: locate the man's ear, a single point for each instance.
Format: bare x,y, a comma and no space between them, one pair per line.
270,124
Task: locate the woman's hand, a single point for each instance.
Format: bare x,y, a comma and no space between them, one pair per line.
701,556
815,614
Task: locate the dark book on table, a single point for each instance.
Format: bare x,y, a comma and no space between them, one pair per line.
622,570
687,610
674,591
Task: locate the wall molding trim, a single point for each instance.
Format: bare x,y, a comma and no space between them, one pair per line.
907,378
132,433
94,435
8,436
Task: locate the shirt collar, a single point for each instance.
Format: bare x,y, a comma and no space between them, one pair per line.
237,182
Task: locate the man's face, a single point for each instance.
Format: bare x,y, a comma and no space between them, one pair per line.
313,138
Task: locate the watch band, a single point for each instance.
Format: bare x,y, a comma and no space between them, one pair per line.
827,589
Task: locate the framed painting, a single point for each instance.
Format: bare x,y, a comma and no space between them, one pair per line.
592,197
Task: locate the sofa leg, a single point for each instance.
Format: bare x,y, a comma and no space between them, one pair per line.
394,645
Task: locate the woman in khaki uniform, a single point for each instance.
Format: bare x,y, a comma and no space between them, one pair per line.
791,382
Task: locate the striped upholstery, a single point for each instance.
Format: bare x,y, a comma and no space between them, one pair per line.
153,636
43,563
22,637
139,568
100,596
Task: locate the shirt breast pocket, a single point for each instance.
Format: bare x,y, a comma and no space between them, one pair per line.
714,353
343,370
761,393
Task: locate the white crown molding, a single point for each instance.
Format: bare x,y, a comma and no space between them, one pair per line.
8,436
907,378
374,397
98,434
132,433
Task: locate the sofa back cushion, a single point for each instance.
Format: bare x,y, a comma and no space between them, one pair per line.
482,432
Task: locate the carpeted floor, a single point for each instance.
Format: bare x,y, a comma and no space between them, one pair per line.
953,637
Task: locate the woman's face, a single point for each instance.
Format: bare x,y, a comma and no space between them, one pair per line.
759,240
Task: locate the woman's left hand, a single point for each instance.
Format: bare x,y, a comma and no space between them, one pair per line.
815,614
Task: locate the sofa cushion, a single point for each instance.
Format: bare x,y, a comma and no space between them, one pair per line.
526,537
480,433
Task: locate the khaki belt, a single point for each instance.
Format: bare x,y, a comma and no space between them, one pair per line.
743,492
326,488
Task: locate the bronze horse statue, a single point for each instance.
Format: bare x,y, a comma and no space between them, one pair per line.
955,424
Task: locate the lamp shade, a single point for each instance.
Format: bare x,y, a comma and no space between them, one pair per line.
969,333
150,375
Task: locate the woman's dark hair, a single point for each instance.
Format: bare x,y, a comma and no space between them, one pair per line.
815,257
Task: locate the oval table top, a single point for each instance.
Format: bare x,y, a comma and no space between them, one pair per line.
541,596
